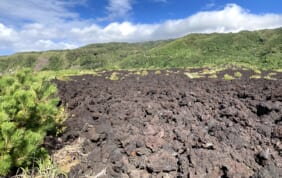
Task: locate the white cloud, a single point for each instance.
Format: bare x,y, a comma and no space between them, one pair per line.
118,9
8,37
232,18
70,34
32,37
49,11
45,45
119,32
6,34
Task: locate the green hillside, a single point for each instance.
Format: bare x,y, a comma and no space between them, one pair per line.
261,49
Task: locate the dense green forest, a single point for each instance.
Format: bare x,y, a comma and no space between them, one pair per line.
261,49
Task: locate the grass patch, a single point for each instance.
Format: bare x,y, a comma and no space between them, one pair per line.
213,76
157,72
44,169
192,75
65,74
228,77
144,73
69,156
270,76
238,74
257,71
114,76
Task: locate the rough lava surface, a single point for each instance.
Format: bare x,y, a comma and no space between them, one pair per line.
167,125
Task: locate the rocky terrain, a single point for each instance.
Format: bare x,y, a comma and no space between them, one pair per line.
164,124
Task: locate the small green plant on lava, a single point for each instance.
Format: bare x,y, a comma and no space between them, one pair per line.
228,77
238,74
114,76
141,72
157,72
192,75
144,73
270,76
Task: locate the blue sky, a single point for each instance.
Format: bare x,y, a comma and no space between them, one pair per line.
34,25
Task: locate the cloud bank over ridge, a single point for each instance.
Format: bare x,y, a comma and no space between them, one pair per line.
57,27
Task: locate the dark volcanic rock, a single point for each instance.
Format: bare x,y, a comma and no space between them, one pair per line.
172,126
162,162
277,131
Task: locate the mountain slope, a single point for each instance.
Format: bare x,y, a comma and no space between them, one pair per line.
262,49
259,48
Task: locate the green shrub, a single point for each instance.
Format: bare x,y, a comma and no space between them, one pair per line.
28,111
55,63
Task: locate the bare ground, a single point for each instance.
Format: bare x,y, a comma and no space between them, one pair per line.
167,125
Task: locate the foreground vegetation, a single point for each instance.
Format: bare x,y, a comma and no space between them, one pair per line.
261,49
28,112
